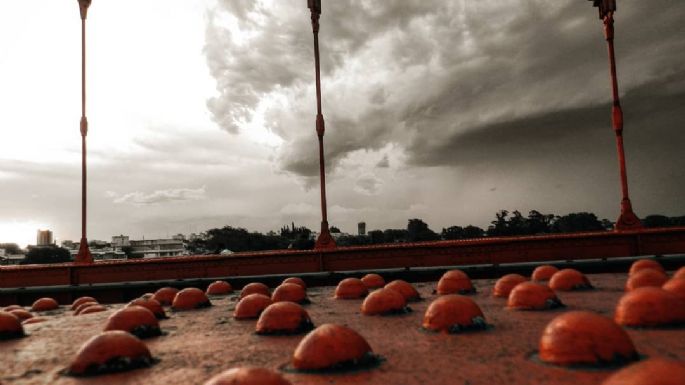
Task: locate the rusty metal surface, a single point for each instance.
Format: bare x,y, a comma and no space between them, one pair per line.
202,343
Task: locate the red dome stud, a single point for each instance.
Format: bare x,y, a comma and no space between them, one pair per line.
569,279
676,286
646,277
373,281
332,346
296,280
650,306
44,304
111,351
251,306
654,371
165,296
680,273
136,320
504,285
219,288
455,282
645,264
81,300
384,301
83,306
585,338
290,292
405,288
21,314
533,296
255,288
189,299
10,326
543,273
453,314
12,307
93,308
151,305
284,318
351,288
248,376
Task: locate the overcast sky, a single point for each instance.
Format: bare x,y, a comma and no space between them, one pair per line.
202,113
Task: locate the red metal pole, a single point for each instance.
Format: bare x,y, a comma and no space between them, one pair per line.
627,219
84,255
325,240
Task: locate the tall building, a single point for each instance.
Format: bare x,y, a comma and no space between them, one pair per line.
44,238
119,241
361,227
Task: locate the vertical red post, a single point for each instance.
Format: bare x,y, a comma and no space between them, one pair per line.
84,255
627,219
325,240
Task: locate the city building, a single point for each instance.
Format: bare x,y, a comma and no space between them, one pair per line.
155,248
361,228
44,238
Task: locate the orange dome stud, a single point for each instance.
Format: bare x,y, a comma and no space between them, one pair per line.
83,306
504,285
189,299
111,351
654,371
290,292
12,307
676,286
455,282
33,320
255,288
284,318
81,300
646,277
650,306
296,280
150,304
585,338
219,288
533,296
680,273
248,376
453,314
543,273
405,288
373,281
136,320
351,288
165,295
569,279
251,306
10,326
93,308
384,301
21,314
332,346
641,264
44,304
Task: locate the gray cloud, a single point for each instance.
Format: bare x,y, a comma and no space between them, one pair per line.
159,196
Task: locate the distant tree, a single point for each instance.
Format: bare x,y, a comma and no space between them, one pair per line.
453,232
417,230
499,227
10,248
353,240
656,221
471,231
239,239
575,222
128,250
334,230
46,254
376,236
538,223
395,235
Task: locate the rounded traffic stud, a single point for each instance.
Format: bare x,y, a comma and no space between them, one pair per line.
373,281
384,301
10,326
569,279
251,306
405,288
332,346
33,320
22,314
646,277
111,351
585,338
12,307
150,304
165,295
80,300
83,306
654,371
641,264
296,280
248,376
680,273
543,273
44,304
533,296
255,288
504,285
453,314
136,320
351,288
93,308
284,318
289,292
650,307
219,288
190,298
455,282
676,286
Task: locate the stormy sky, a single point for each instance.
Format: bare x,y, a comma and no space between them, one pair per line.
202,113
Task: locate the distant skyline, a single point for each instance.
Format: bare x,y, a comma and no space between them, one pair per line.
202,113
